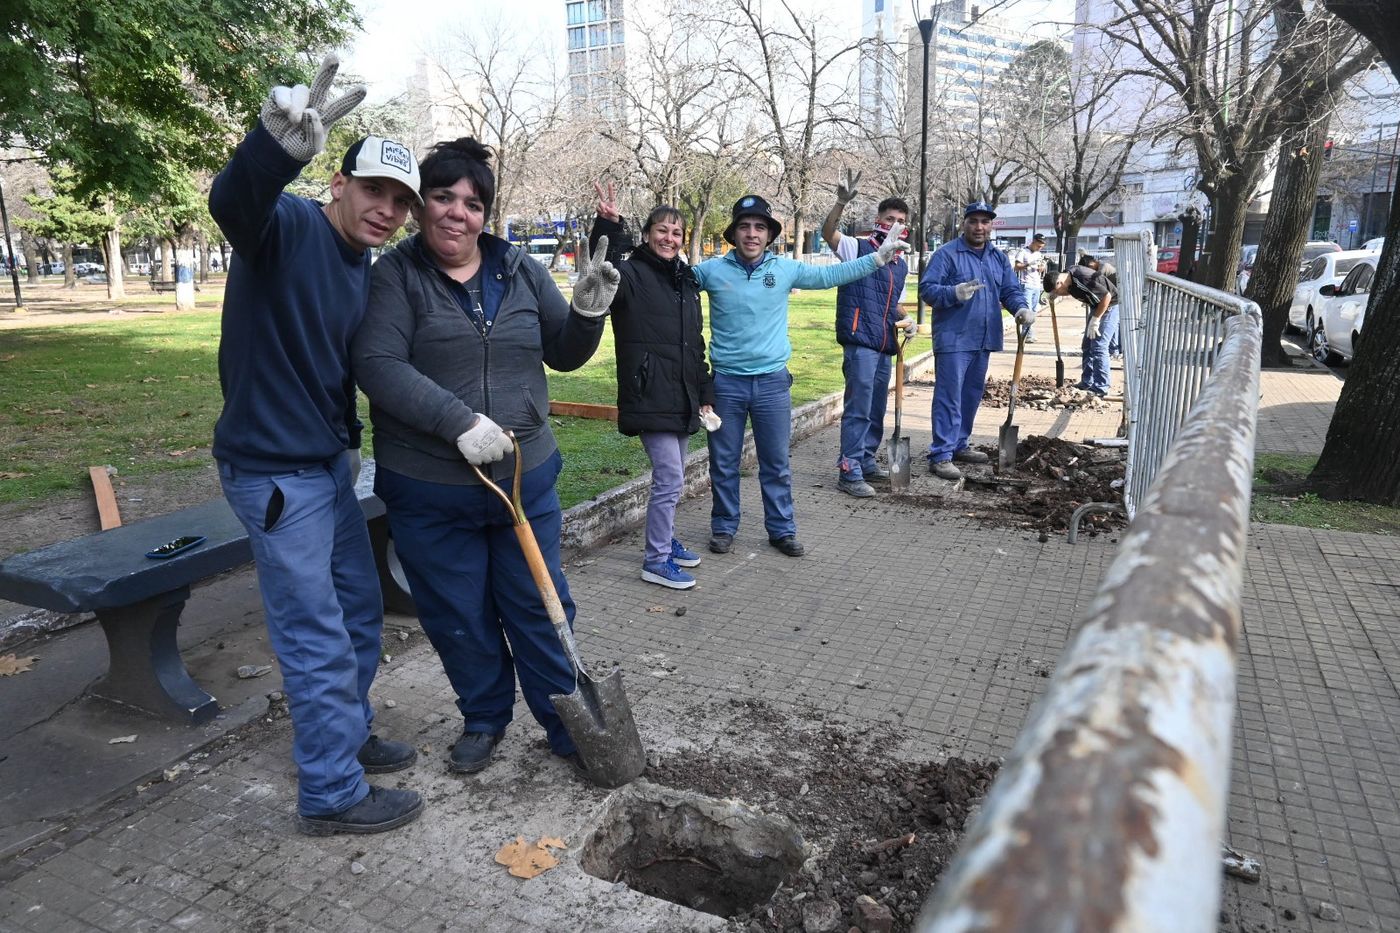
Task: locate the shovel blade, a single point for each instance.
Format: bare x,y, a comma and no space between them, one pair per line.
599,720
899,464
1006,447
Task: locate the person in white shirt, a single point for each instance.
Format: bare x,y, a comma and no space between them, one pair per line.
1030,266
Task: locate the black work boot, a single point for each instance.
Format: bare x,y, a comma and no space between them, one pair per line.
472,753
383,809
382,756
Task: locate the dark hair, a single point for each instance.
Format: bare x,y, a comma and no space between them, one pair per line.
892,203
449,162
1086,260
1050,281
663,212
1038,236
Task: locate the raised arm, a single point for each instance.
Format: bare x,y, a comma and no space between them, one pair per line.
845,194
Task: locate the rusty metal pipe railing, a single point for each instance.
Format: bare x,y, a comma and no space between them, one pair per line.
1109,812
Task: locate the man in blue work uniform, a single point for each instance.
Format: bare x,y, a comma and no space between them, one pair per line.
749,351
287,442
966,283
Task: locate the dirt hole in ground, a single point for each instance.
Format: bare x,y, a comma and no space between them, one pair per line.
717,856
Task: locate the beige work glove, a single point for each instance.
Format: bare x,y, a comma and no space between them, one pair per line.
299,117
893,244
846,193
909,326
484,442
1092,331
965,290
597,281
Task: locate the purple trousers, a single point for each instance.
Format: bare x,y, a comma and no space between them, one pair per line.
667,453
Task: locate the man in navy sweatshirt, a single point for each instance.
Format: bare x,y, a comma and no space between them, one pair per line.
287,442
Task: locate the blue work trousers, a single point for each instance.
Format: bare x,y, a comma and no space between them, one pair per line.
959,379
1095,371
766,400
476,599
324,615
867,373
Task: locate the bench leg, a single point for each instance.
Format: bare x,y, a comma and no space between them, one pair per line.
145,669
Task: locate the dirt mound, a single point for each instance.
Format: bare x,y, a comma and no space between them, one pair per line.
880,827
1053,477
1039,392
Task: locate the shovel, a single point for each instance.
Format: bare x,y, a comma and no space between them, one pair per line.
596,714
1006,442
1059,360
899,445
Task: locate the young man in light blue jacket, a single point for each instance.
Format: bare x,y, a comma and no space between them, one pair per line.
749,351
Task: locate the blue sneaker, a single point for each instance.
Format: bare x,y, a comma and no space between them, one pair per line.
667,574
683,556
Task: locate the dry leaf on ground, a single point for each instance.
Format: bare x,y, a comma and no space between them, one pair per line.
656,609
526,860
9,664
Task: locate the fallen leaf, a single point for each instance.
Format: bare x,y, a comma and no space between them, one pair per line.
90,385
9,664
524,860
656,609
553,842
7,475
53,411
150,379
179,453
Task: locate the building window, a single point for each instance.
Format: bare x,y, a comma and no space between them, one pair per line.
617,36
597,36
598,60
619,58
575,12
578,87
576,38
596,11
578,63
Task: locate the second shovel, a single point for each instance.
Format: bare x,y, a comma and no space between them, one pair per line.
1006,441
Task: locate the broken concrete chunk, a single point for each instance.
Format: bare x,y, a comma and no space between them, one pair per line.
820,916
122,740
1239,865
249,671
356,868
871,916
1326,910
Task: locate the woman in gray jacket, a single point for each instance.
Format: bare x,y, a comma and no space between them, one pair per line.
451,354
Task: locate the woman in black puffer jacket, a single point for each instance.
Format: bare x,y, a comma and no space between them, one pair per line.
663,382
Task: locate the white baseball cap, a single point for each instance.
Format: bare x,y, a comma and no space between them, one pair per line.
376,157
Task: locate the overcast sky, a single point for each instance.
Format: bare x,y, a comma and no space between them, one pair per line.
397,31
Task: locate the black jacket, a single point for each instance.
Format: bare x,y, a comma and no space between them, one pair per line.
662,376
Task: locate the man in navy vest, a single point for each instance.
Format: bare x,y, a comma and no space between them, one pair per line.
867,323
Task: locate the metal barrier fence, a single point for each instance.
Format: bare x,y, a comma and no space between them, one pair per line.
1109,812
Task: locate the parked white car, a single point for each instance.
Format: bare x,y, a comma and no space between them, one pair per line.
1342,312
1376,243
1324,270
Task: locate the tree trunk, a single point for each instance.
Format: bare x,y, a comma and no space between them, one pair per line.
1361,459
1228,208
203,242
116,265
167,259
70,278
1275,272
31,261
798,235
1190,239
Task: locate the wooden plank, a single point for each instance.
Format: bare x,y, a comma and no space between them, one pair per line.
107,510
583,410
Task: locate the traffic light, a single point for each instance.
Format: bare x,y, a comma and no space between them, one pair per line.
1327,150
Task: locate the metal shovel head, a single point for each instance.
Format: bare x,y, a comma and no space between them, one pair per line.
599,720
899,464
1006,447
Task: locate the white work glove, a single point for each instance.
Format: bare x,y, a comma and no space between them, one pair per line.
846,193
597,281
299,118
709,420
484,442
1092,331
355,463
892,245
965,290
911,326
1025,317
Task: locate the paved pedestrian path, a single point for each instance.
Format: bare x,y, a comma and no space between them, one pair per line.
915,617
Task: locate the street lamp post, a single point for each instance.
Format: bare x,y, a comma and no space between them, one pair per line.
926,31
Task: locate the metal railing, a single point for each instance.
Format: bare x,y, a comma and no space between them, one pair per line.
1109,812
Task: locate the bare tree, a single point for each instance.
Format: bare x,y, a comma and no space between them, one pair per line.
1237,72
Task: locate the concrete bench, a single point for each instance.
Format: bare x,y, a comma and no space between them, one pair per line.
161,286
138,601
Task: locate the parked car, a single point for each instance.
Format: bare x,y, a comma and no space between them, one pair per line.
1315,248
1375,243
1247,256
1168,258
1328,269
1342,312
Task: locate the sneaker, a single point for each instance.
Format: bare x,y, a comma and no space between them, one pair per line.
970,455
1030,340
683,556
668,574
875,472
472,753
944,469
382,756
855,487
720,543
789,545
383,809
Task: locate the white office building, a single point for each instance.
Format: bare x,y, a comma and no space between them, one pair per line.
596,39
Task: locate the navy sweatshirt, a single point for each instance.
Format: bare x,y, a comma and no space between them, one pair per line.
295,295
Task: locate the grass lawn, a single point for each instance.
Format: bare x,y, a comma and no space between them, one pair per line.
1308,509
141,392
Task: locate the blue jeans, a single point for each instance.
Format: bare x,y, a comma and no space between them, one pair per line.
767,401
473,590
1033,292
1095,372
324,613
959,379
867,375
667,454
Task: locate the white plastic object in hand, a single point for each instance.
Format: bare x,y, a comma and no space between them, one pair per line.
484,442
965,290
710,421
892,245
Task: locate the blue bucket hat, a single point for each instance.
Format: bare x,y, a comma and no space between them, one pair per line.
979,207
